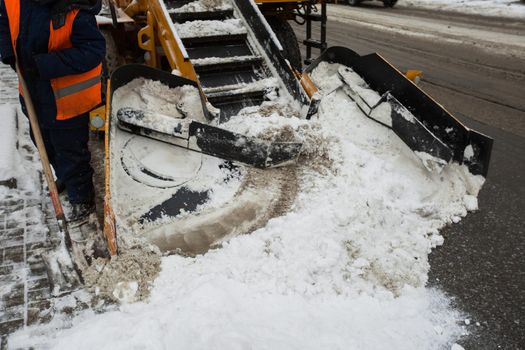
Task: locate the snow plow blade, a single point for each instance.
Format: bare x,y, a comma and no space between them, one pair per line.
433,130
208,139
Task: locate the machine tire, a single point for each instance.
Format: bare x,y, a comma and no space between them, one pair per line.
112,61
389,3
353,2
284,32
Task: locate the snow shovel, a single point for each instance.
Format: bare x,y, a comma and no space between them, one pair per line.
63,272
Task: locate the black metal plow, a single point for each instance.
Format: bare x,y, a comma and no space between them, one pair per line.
422,123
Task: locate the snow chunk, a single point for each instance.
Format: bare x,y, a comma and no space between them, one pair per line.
125,292
325,77
468,154
430,162
383,114
471,202
457,347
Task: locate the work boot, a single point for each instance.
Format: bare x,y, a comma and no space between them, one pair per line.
81,211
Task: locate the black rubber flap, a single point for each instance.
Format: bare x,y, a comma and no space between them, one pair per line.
236,147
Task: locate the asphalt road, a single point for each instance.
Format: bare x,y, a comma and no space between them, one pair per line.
475,67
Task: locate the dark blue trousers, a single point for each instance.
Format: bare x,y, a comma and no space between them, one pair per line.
68,153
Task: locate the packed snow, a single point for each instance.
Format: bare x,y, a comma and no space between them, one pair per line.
199,29
8,142
495,8
345,267
28,215
487,37
203,6
221,60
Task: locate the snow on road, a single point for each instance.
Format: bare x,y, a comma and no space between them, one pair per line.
485,37
493,8
346,268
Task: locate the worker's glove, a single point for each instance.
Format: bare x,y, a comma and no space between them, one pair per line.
10,60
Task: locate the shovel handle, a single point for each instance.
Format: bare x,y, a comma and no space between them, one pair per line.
37,134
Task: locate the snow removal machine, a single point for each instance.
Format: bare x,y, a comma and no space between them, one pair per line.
178,71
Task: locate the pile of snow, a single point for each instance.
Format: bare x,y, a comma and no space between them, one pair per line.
24,165
8,142
495,8
199,29
346,267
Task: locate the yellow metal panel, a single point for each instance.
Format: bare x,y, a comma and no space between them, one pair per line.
308,85
414,75
98,113
169,42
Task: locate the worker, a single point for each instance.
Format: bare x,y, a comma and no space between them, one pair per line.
59,50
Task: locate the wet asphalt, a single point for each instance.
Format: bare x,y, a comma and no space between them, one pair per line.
482,262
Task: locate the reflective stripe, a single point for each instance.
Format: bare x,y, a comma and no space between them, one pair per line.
73,89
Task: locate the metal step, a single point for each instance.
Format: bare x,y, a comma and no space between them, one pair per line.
315,43
173,4
215,72
214,39
231,99
218,79
204,50
181,17
228,92
227,63
231,104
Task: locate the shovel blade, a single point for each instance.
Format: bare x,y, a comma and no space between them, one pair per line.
61,272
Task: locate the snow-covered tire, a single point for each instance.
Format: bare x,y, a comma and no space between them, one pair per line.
284,32
353,2
389,3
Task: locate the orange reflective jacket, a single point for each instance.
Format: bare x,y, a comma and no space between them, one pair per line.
74,94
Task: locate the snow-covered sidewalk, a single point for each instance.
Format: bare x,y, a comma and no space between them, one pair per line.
24,231
493,8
